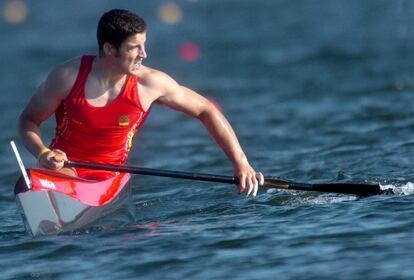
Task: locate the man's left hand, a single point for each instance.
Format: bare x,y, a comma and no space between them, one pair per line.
249,180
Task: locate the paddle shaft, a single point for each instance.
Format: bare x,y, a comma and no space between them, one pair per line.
270,182
155,172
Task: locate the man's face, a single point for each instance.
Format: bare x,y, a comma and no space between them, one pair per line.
131,53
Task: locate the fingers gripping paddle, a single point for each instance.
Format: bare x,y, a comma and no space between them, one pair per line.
270,182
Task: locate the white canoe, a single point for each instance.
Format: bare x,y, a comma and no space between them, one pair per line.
58,203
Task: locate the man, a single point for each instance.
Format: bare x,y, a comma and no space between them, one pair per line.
100,103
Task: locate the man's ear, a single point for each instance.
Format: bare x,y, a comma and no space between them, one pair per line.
108,49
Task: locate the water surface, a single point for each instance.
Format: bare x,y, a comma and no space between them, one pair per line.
317,91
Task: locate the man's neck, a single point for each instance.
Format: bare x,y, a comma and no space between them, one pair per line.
103,70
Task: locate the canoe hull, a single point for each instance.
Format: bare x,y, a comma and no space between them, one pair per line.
48,211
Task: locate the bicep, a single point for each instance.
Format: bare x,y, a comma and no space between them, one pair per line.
185,100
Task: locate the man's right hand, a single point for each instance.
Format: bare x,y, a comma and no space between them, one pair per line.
53,159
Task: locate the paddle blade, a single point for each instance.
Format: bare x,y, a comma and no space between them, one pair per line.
343,188
350,188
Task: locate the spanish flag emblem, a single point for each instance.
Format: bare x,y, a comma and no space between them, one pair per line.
124,120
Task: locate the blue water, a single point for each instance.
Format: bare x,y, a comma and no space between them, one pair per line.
317,91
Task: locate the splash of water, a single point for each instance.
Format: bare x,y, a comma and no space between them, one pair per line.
405,189
305,198
298,198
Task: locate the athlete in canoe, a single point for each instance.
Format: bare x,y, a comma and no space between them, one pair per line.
101,101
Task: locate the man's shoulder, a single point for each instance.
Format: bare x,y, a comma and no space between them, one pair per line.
152,77
63,76
67,70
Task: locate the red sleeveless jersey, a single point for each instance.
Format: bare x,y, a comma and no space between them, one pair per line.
98,134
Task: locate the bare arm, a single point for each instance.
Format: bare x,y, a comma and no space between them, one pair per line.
218,127
191,103
41,106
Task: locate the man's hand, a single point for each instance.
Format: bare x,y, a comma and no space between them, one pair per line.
53,160
249,179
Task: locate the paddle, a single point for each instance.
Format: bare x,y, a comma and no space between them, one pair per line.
270,182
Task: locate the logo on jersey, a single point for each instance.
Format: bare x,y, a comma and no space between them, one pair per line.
124,120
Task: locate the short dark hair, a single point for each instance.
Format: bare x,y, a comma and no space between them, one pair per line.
117,25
